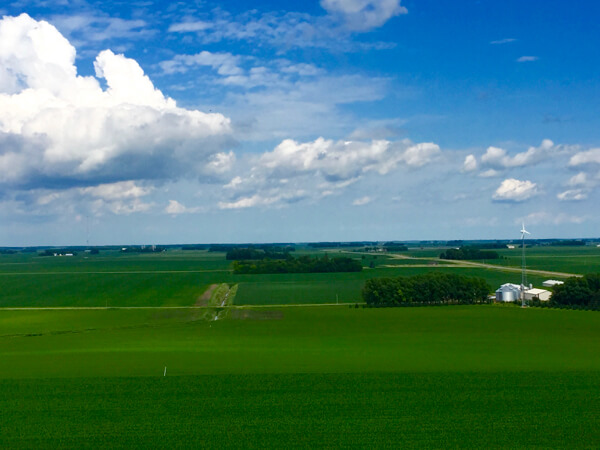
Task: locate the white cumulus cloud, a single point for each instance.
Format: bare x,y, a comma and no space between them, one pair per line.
362,15
60,128
174,208
588,157
470,163
499,158
514,190
293,170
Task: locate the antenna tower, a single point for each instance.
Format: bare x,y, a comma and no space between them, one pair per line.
523,266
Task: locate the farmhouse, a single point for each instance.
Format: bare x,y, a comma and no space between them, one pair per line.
537,294
508,292
552,283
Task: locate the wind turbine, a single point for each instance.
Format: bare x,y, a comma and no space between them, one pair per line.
524,272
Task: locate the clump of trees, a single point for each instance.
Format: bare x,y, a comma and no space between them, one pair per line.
395,247
468,252
578,291
303,264
194,247
257,254
432,288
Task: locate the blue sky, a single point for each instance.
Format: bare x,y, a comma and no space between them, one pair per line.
162,122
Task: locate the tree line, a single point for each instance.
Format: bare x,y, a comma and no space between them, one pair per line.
275,248
303,264
578,291
468,252
256,254
432,288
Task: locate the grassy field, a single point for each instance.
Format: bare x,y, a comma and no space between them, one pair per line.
479,376
179,278
560,259
507,410
317,376
296,340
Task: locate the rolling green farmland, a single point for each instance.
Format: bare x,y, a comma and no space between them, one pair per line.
506,410
478,376
560,259
274,376
320,339
178,278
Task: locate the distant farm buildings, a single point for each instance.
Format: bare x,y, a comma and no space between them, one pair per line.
510,292
552,283
537,294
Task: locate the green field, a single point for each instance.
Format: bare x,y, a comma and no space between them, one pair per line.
506,410
179,278
479,376
560,259
487,376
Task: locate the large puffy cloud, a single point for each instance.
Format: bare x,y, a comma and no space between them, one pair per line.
346,159
58,128
298,170
513,190
362,15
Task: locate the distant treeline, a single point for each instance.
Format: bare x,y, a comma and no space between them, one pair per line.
387,247
303,264
578,291
258,254
569,243
482,245
275,248
433,288
468,252
194,247
144,249
395,247
340,244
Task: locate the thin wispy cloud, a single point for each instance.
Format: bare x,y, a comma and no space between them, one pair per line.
527,59
503,41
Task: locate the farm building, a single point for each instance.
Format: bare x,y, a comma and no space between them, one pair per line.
552,283
538,294
508,292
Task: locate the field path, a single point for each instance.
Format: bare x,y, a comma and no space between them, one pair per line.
205,297
464,263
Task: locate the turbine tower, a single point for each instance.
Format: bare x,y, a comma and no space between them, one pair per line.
523,271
